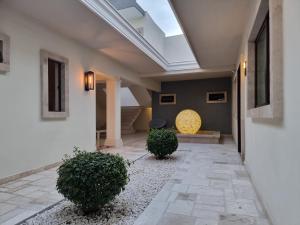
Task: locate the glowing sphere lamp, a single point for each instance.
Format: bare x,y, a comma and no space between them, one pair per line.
188,122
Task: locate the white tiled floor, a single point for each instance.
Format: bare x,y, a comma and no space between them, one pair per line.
211,187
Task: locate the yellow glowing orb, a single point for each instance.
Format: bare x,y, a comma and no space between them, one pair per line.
188,122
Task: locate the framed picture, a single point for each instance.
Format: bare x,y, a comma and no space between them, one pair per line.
216,97
167,99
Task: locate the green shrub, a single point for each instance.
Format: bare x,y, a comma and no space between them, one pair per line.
162,142
92,179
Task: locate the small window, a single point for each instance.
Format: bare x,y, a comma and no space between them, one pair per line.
55,86
55,90
4,53
265,62
262,66
216,97
167,99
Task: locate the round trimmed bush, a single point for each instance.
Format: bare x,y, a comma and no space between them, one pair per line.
92,179
162,142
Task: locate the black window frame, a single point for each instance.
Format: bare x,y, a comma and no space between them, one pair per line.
163,96
58,86
1,51
265,27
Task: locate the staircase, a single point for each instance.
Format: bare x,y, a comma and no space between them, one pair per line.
129,114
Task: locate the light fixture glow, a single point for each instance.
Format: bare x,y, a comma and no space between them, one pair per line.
188,122
245,67
89,80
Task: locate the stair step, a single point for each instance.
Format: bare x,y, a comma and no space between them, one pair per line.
128,117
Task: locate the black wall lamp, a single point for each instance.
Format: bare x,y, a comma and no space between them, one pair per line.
89,80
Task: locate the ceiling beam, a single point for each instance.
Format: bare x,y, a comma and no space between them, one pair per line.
228,69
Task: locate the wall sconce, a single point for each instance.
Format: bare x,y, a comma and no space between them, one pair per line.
89,80
245,67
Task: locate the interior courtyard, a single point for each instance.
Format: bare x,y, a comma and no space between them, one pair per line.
100,76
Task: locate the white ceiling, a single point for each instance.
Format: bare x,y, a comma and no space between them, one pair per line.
214,29
74,20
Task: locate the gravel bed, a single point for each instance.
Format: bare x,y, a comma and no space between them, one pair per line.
147,177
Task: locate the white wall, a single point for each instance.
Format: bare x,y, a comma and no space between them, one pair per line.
27,142
177,49
152,33
142,95
272,147
168,47
127,98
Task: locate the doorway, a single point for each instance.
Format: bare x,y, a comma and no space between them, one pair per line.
239,122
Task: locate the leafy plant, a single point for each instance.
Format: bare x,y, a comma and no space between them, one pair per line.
92,179
162,142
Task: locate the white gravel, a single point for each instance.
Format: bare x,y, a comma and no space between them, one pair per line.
147,177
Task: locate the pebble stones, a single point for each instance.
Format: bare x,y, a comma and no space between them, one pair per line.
147,177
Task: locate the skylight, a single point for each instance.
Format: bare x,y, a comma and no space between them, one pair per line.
141,13
156,23
163,15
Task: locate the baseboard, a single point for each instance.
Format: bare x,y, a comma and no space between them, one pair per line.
28,173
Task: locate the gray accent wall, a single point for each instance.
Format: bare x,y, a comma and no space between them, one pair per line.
191,94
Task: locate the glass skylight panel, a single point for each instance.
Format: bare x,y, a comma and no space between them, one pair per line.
153,20
163,15
160,12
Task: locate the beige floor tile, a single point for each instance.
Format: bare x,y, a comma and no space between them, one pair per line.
19,200
175,219
180,187
44,182
201,221
181,207
214,208
242,207
5,196
15,184
10,215
187,196
205,190
21,215
236,220
33,177
6,207
205,214
211,200
36,194
27,190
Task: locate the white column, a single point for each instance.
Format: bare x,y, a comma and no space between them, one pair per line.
113,113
